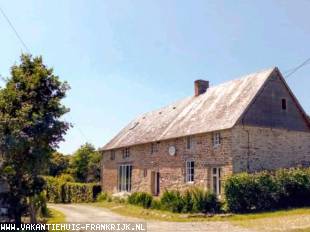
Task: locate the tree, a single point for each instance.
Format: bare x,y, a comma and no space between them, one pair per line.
85,164
30,130
94,167
58,164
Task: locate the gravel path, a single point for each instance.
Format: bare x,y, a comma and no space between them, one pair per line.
79,213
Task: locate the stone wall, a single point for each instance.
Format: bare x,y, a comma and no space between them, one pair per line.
171,168
262,148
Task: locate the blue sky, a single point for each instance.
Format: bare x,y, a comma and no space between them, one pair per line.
123,57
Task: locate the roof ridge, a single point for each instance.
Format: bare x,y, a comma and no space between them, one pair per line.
217,109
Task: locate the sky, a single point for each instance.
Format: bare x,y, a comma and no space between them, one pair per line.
122,58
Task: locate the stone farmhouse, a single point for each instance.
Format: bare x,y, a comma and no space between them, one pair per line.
250,124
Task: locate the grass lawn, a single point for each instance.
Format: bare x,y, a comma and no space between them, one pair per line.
55,216
292,220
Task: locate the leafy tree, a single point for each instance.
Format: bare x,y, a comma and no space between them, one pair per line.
30,130
85,164
94,168
58,164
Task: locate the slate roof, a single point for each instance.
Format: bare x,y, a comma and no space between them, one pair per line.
217,109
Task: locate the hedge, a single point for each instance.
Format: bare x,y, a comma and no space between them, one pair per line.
268,190
58,191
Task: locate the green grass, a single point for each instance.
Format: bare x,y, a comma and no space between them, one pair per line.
55,217
271,214
281,220
139,212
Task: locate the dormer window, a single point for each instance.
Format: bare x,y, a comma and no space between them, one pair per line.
126,152
284,104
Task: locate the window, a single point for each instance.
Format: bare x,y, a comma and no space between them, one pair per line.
112,155
189,141
124,178
190,171
216,139
284,106
126,152
216,181
153,148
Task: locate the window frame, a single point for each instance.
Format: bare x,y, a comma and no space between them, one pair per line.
216,178
190,171
216,140
154,148
124,178
189,142
126,152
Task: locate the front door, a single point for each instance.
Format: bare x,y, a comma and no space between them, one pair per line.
155,183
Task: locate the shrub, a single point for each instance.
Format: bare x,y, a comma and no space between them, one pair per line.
103,196
59,191
140,198
118,199
294,187
204,201
266,191
65,178
156,204
132,198
188,201
245,192
172,201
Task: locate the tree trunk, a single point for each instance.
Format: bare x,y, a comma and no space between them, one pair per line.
32,211
17,218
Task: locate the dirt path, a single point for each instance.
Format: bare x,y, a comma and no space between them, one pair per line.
79,213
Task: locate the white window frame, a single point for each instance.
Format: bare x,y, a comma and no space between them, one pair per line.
216,180
124,177
190,171
216,139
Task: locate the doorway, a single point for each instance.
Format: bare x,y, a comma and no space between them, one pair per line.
155,180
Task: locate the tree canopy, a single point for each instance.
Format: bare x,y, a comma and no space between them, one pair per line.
30,128
85,164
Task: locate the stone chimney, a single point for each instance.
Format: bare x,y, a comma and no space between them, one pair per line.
201,87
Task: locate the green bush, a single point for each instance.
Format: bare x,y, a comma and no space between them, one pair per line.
140,198
172,201
204,201
103,196
155,204
188,201
245,192
266,191
59,191
294,187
